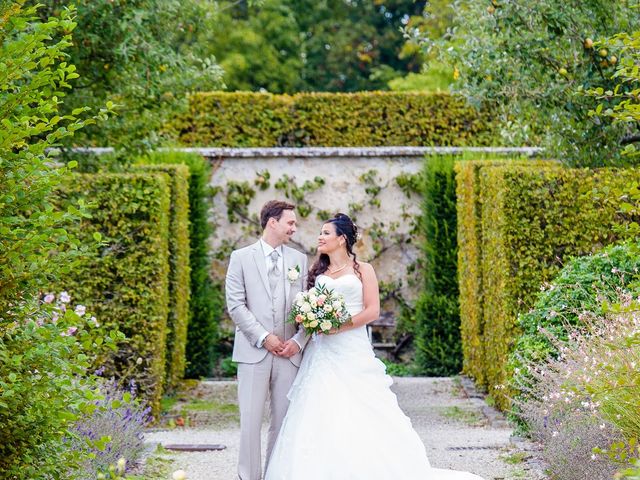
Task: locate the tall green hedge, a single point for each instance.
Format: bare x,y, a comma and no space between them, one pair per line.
438,347
179,271
469,239
127,283
532,219
331,119
207,303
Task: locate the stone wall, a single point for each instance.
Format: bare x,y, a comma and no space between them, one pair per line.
358,181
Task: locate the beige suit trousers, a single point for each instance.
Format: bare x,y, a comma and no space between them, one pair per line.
271,378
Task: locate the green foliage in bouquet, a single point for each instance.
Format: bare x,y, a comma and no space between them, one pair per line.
319,310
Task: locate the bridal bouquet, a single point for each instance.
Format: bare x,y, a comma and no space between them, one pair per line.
319,310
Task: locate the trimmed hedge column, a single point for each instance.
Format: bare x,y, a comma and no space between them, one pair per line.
127,283
533,218
179,278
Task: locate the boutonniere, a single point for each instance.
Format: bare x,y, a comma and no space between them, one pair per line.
293,274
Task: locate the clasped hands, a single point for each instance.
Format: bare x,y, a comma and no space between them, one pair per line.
275,345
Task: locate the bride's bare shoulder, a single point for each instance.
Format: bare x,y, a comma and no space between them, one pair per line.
365,267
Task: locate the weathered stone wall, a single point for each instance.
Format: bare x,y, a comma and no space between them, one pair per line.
384,219
347,174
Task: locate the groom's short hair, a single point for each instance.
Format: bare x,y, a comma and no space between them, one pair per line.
273,208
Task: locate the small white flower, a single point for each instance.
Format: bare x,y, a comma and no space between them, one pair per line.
313,324
121,464
64,297
293,274
305,308
179,475
49,298
80,310
325,326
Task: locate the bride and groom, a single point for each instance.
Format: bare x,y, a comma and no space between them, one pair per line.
333,415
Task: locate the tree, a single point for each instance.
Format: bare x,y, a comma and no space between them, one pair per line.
34,80
527,59
129,52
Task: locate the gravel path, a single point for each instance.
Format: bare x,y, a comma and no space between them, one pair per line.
457,427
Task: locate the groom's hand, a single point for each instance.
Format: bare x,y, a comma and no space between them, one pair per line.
273,344
290,349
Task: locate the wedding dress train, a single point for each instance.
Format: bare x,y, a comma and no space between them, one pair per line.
344,422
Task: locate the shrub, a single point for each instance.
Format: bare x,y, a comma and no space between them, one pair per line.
44,361
438,347
126,283
584,288
207,303
583,405
326,119
179,269
111,430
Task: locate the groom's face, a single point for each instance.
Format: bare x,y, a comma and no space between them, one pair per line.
286,226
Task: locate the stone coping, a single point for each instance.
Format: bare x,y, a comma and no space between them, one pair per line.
316,152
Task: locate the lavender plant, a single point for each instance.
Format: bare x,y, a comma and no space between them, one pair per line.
582,406
112,431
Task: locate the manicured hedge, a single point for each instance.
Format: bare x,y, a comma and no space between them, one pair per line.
179,272
533,218
207,302
469,239
331,119
438,347
127,283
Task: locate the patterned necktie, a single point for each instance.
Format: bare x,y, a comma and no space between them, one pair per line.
274,271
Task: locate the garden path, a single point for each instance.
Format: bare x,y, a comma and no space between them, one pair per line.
459,430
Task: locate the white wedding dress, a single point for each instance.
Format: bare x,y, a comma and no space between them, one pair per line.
344,422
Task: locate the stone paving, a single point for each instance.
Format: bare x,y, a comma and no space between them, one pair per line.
459,430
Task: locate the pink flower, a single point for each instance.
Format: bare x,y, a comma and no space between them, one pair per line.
49,298
71,331
64,297
80,310
299,318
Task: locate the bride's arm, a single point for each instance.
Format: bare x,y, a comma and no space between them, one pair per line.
370,298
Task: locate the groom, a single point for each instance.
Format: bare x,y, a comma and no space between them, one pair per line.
262,280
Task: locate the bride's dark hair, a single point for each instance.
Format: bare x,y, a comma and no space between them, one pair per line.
344,227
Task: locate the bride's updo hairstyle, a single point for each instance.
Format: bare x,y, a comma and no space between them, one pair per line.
344,227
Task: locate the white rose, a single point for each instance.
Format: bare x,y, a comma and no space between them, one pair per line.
326,325
306,308
336,305
299,297
313,324
328,308
293,275
311,316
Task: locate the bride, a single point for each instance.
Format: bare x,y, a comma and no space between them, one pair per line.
344,422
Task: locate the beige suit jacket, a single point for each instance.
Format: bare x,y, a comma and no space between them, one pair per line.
249,300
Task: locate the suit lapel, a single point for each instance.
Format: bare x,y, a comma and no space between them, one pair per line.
258,256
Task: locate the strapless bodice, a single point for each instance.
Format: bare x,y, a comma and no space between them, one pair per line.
349,286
